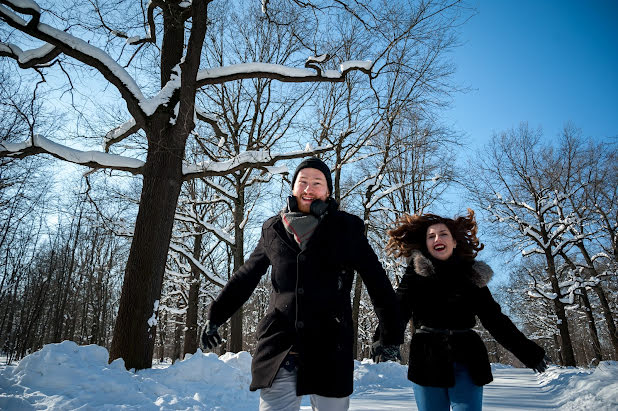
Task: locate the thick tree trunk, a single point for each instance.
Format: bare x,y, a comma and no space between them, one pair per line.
135,328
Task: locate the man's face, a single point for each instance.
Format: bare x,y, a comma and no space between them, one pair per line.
310,185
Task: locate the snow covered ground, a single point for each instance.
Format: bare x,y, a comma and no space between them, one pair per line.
66,376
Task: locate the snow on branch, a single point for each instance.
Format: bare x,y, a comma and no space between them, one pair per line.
387,191
248,159
218,232
24,6
29,58
210,276
93,159
212,120
218,75
73,47
120,133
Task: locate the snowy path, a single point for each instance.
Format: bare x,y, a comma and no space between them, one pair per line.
512,388
517,388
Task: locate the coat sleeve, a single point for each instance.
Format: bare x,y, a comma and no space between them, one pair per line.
403,298
379,288
505,332
240,286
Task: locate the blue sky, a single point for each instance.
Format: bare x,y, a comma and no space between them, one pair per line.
542,61
546,62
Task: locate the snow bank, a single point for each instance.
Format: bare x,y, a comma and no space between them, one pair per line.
369,376
583,389
67,376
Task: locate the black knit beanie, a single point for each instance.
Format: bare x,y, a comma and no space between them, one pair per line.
314,162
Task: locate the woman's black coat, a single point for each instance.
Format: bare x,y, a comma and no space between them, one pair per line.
310,307
449,296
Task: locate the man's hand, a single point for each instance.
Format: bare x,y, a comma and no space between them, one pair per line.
382,353
210,336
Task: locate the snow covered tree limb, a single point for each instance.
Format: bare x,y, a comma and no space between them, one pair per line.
92,159
30,58
253,159
213,122
99,160
75,48
120,133
219,75
209,276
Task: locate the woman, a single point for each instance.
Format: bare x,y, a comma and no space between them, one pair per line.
443,290
305,339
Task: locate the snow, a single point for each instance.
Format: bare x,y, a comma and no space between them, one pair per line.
212,277
356,64
24,57
68,376
152,321
24,5
73,155
278,69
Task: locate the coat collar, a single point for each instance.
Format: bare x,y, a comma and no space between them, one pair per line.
479,275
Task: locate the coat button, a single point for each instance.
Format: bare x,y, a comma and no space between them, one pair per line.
301,258
300,324
300,291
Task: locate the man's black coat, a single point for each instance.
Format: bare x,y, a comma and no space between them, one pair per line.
310,309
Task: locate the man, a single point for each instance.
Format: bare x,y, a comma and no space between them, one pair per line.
305,339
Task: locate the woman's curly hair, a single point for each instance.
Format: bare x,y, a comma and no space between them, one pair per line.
410,233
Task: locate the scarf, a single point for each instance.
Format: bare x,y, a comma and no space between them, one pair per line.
300,225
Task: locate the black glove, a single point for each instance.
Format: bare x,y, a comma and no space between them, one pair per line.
210,336
382,353
542,365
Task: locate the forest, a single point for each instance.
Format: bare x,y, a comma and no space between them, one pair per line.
143,144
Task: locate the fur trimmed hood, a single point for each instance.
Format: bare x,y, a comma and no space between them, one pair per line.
480,274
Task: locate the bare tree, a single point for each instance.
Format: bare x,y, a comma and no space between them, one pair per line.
515,193
96,39
540,195
377,126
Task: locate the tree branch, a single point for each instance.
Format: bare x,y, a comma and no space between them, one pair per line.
92,159
248,159
219,75
77,49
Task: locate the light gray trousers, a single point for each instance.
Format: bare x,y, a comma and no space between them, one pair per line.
282,396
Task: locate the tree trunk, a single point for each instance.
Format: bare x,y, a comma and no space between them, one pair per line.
235,343
566,346
358,292
191,331
592,326
598,289
178,325
135,328
609,318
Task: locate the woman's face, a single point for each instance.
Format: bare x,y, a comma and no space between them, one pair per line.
440,242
